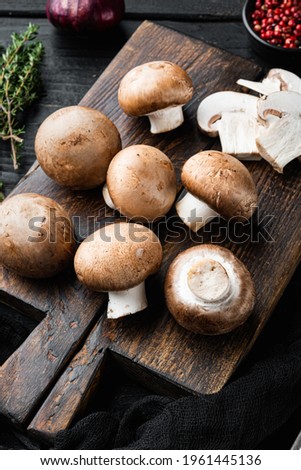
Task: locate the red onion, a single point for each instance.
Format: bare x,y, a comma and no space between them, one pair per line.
85,15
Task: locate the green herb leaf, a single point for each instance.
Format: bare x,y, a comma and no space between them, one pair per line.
1,193
20,84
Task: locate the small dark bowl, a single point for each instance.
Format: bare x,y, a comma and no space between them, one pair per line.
275,54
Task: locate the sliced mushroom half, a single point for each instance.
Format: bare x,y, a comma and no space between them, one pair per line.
276,80
279,141
232,116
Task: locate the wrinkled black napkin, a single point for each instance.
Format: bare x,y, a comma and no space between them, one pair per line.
259,408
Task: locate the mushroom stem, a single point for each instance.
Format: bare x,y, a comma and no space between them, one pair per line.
209,281
126,302
276,80
194,212
237,132
107,198
265,87
166,119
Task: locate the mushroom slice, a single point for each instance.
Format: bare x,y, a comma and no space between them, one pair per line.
232,116
279,142
208,290
117,259
157,90
276,80
216,184
141,183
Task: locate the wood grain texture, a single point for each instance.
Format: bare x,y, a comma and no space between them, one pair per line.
36,364
74,388
142,9
151,340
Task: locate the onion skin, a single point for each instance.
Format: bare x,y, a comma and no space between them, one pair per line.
85,15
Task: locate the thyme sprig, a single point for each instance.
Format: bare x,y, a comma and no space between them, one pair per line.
20,84
1,193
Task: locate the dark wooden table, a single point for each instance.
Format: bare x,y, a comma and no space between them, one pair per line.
73,62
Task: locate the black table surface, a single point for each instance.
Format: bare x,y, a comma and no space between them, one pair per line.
73,62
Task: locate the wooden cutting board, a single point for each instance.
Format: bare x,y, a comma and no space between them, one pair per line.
53,374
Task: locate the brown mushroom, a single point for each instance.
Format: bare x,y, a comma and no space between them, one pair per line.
157,90
36,236
141,183
208,290
216,184
75,145
117,259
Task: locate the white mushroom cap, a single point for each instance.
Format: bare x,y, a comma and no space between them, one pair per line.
157,90
288,80
117,259
232,116
280,104
208,290
141,183
276,80
279,142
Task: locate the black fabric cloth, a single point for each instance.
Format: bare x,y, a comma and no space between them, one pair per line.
263,398
241,416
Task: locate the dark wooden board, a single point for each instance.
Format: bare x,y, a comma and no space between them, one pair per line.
75,386
152,9
149,345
